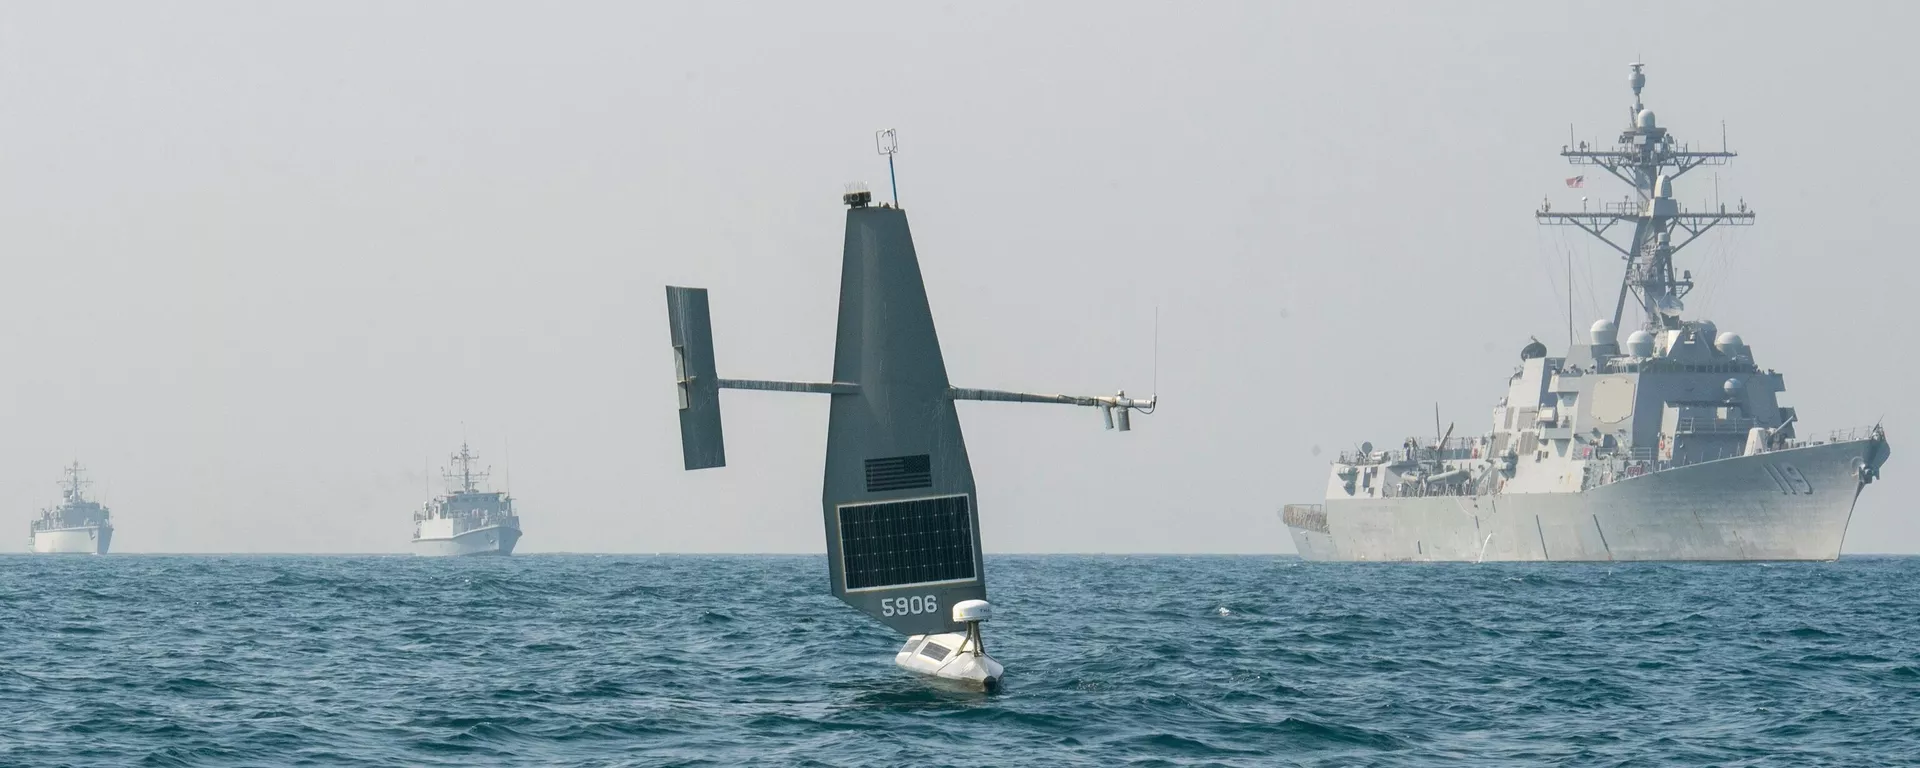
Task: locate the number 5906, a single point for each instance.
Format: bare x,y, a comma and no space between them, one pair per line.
909,606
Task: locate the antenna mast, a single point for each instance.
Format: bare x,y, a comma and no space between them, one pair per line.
1648,159
1570,300
888,142
75,481
463,481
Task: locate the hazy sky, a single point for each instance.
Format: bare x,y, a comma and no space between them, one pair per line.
265,260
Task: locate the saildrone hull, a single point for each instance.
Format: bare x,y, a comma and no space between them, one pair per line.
1782,505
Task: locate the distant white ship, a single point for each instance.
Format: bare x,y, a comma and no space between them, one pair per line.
467,520
77,527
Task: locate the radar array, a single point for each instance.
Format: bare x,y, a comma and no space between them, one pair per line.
1648,159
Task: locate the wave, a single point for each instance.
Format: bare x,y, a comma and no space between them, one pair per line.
565,660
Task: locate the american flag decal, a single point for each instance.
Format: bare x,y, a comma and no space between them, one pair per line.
1577,181
899,473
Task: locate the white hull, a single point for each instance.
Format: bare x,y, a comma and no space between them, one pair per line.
950,657
84,540
1731,509
488,540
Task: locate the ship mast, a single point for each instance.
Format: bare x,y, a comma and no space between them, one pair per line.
1648,159
465,480
74,482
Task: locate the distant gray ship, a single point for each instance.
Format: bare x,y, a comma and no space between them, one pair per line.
77,526
467,520
1671,447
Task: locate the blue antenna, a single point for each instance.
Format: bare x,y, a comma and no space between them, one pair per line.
888,142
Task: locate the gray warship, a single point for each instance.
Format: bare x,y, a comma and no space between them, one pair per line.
1671,446
467,520
78,526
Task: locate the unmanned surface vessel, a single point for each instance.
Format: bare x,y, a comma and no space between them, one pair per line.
1672,446
902,530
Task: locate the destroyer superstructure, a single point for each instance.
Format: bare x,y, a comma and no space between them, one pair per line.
468,520
1672,446
78,526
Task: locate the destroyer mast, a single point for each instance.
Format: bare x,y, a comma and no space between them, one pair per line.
1648,159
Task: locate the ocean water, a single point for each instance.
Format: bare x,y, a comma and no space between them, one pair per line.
1150,661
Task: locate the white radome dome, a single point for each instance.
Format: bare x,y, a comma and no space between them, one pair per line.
1640,344
1604,333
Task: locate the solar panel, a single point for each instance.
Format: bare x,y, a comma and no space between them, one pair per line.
894,543
935,651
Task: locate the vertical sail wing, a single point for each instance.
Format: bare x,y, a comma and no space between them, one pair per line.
903,534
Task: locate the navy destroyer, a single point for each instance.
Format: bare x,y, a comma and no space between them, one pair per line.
78,526
1671,446
467,520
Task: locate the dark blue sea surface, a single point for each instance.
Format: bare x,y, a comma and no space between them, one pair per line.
685,660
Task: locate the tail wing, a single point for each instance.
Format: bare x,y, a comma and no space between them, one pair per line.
701,442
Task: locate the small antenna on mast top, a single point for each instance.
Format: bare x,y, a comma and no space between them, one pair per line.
888,142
